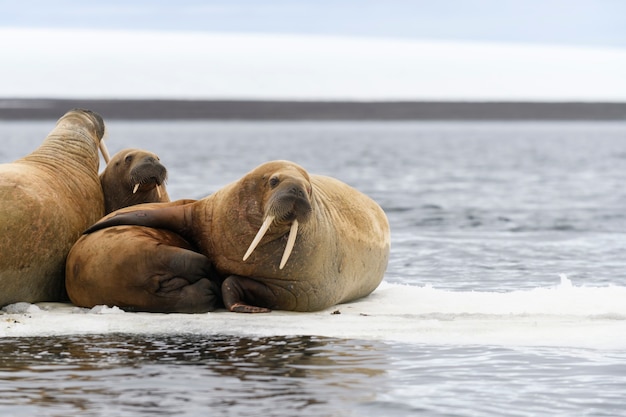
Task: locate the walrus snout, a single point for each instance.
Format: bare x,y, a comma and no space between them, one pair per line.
289,203
149,172
298,192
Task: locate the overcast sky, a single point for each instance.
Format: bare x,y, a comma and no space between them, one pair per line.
572,22
368,49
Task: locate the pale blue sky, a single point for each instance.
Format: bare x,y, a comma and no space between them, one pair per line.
564,22
370,50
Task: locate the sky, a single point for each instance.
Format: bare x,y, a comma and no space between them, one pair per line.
316,49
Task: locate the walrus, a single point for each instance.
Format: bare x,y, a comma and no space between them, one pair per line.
139,268
47,199
133,176
280,238
133,267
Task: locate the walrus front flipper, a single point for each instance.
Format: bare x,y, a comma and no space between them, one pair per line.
237,291
172,218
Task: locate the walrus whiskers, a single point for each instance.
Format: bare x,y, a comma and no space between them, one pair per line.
259,235
137,185
291,240
105,151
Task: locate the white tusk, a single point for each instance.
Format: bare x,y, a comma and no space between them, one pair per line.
158,187
136,188
259,235
291,240
105,151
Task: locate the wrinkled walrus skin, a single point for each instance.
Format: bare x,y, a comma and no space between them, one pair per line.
138,268
341,247
47,199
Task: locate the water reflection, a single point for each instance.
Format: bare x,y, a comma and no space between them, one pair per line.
187,375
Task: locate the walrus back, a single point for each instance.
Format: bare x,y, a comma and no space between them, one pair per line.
20,254
46,199
38,231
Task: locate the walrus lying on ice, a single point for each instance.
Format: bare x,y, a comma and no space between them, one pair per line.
316,241
47,199
133,267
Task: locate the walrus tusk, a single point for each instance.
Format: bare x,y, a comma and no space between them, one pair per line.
137,187
105,152
158,187
291,240
259,235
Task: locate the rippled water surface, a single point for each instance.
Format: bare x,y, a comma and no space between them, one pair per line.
473,207
187,375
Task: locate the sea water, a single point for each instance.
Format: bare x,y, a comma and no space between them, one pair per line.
505,292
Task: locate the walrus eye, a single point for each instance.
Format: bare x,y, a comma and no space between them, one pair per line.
128,159
274,182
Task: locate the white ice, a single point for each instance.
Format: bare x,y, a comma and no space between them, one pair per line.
561,315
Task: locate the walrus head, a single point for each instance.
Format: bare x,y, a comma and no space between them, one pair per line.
146,172
96,122
288,192
132,177
79,125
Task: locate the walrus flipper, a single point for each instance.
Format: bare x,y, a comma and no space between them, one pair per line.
187,283
237,291
169,218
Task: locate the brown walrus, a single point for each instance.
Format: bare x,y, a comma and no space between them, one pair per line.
139,268
133,176
133,267
47,199
316,241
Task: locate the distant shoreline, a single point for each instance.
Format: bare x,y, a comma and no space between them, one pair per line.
34,109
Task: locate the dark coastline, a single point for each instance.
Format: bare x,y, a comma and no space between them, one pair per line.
33,109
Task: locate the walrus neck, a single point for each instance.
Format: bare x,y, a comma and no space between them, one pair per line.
199,213
64,150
